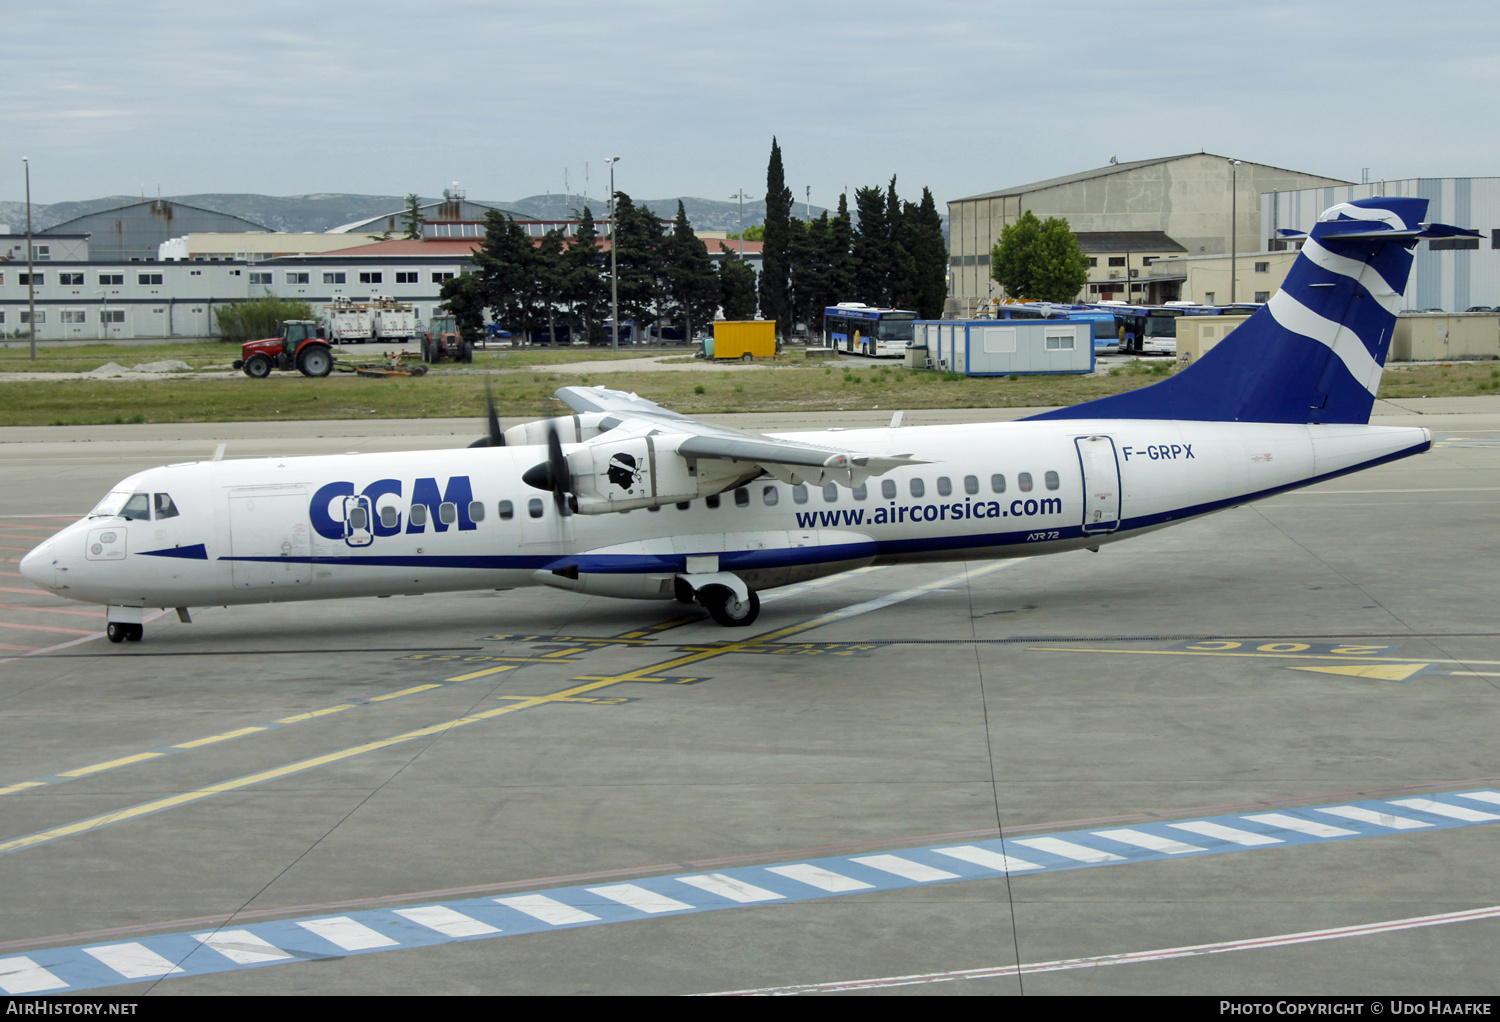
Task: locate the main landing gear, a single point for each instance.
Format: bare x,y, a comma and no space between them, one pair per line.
726,598
118,632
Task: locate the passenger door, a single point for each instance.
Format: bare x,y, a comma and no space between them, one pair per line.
1101,483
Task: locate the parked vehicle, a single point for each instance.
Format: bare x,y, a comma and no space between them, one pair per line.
443,339
303,345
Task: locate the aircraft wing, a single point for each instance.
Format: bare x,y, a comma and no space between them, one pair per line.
736,455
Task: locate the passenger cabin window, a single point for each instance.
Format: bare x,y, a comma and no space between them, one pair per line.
1023,480
359,519
997,483
971,485
447,512
918,488
770,496
418,516
831,493
861,492
741,497
799,494
945,486
888,489
1051,480
164,507
390,518
534,507
476,511
712,501
507,510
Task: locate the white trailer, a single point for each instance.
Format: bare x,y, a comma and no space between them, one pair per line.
348,321
382,318
393,321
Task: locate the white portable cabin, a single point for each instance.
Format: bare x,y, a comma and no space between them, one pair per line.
1004,347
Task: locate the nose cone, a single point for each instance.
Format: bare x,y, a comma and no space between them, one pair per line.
38,566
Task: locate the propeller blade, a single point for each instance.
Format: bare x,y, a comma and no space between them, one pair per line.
557,469
496,438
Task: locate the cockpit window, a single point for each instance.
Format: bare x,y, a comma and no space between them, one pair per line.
164,508
122,503
137,508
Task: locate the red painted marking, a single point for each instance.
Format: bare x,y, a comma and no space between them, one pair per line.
46,628
12,589
51,610
17,649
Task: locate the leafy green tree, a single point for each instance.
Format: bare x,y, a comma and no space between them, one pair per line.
775,270
756,232
736,285
504,265
690,274
463,296
585,287
413,218
549,280
640,261
1039,260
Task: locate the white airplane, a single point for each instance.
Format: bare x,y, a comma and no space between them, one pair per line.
643,503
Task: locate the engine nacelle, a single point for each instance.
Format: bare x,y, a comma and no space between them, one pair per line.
571,429
647,471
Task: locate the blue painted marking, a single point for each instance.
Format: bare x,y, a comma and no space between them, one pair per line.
79,971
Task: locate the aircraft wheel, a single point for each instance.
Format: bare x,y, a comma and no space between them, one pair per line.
116,632
316,362
257,367
728,609
134,633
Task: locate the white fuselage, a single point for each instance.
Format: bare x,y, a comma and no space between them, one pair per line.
277,529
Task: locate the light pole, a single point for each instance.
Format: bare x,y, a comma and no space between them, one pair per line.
30,268
742,197
614,277
1234,239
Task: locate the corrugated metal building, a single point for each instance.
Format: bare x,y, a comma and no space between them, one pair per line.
1186,197
1451,274
134,233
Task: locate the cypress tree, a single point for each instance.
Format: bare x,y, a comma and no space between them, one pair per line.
871,248
694,287
837,255
775,269
922,238
900,281
504,266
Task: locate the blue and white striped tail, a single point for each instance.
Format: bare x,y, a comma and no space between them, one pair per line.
1314,353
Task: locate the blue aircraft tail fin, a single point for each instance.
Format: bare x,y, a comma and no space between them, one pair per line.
1314,352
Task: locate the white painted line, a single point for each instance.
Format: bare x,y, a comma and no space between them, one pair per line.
988,859
347,934
1223,833
1378,819
639,898
1141,839
1480,796
1068,850
548,910
1132,958
1426,805
446,921
20,975
729,887
1301,826
822,879
242,947
904,868
133,961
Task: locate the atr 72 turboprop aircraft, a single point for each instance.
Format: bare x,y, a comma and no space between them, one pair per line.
644,503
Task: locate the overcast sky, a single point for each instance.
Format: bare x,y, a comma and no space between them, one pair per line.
963,97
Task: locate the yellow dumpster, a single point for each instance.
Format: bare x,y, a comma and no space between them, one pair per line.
744,339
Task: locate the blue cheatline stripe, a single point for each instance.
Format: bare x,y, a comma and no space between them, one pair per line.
90,966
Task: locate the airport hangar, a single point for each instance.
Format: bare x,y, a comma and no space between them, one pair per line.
1127,214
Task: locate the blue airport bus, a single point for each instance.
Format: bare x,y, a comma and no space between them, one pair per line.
864,330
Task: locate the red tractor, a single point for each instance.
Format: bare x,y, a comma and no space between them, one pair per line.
443,339
303,345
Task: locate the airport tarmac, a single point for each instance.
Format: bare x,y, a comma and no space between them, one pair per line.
1249,754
